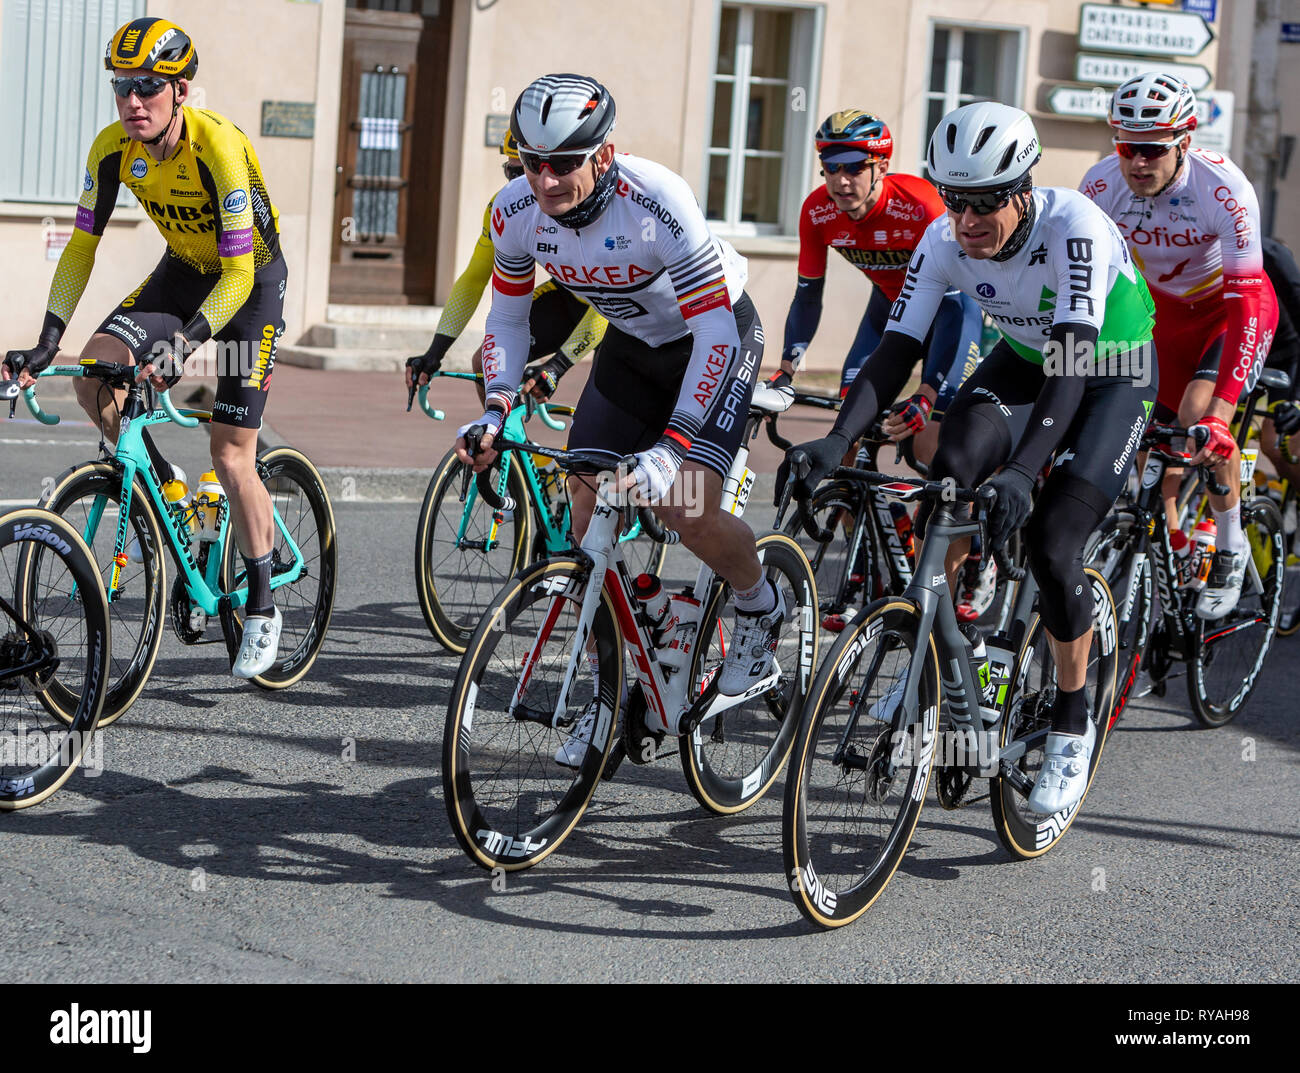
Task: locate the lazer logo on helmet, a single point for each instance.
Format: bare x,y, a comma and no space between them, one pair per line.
161,44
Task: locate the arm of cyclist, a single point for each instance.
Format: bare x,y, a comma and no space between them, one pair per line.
542,379
466,293
806,308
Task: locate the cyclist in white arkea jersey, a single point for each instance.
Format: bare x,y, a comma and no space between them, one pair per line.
1075,316
672,379
1191,220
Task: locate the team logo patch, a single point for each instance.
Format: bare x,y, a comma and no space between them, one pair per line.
88,182
139,168
236,202
986,290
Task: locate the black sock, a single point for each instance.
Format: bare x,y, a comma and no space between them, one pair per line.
259,585
1070,713
161,466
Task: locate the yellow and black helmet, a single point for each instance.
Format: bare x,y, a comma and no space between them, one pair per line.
510,147
156,45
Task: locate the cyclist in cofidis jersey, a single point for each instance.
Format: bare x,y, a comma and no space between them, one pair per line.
1053,272
222,277
874,220
1191,220
560,324
673,377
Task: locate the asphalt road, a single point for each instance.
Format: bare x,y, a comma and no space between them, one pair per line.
238,835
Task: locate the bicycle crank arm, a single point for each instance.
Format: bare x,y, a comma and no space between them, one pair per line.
1016,749
526,713
1020,782
712,703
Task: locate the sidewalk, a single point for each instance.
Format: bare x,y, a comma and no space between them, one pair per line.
359,420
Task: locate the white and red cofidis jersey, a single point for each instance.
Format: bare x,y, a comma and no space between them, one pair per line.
1198,240
649,264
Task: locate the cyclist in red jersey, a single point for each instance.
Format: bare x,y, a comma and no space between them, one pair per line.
874,220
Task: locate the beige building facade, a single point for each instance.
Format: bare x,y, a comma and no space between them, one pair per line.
373,123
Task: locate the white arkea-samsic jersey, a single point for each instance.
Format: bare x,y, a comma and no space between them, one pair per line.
649,264
1073,269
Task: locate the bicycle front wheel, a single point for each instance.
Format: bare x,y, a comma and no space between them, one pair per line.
298,494
1027,719
1229,652
844,567
53,621
855,789
732,759
464,553
516,774
88,497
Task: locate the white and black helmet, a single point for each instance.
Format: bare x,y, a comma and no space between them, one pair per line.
1153,102
562,113
983,145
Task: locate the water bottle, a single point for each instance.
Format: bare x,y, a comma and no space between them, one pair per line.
1002,658
1203,536
548,475
653,597
207,499
679,631
177,493
1182,546
903,525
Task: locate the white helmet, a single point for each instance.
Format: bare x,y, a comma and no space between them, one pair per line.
561,113
1153,102
984,144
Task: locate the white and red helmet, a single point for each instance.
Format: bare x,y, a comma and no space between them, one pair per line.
1153,102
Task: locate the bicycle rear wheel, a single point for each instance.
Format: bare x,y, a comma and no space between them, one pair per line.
509,800
1121,556
1027,719
456,574
88,498
1229,653
53,620
855,789
731,760
298,494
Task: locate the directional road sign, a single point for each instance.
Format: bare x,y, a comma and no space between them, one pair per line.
1112,70
1079,103
1127,29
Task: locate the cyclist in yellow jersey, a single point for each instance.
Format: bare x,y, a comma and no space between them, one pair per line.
222,277
555,314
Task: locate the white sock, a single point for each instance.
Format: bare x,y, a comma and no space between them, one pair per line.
1229,536
756,601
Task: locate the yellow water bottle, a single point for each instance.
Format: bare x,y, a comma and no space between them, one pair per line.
207,499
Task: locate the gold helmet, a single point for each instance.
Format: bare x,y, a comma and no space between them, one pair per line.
509,147
156,45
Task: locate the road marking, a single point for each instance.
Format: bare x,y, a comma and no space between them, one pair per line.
51,442
17,502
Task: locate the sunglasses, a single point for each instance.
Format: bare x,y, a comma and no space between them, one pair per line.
143,86
559,163
512,170
982,202
856,168
1146,150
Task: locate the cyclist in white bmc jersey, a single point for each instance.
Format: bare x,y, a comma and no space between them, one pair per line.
1075,316
673,376
1191,220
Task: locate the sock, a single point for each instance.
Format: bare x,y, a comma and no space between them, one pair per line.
1229,535
1070,713
259,600
756,601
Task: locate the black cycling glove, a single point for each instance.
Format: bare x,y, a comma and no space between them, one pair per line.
546,375
824,455
38,358
430,361
1286,418
1015,500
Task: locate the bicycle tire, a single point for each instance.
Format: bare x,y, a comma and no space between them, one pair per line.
833,876
1027,712
306,606
1289,621
509,802
53,613
137,615
454,584
1112,551
731,760
843,503
1218,684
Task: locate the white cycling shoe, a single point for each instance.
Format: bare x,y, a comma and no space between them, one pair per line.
753,648
573,750
261,643
884,709
1064,775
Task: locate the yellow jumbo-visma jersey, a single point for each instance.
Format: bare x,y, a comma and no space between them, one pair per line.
208,200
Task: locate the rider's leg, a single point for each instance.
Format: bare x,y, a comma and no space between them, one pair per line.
1227,508
101,403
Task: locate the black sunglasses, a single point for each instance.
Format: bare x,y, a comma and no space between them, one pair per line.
559,163
143,86
512,170
1146,150
856,168
982,202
